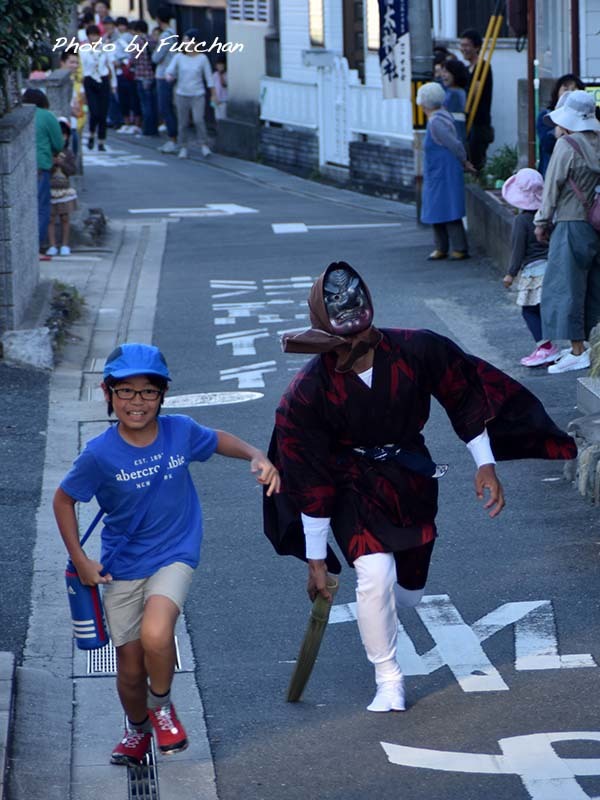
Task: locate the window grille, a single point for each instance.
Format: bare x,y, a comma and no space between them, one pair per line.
248,10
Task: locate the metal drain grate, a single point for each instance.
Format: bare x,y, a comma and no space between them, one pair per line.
142,781
104,660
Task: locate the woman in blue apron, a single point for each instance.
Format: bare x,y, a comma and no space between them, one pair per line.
444,162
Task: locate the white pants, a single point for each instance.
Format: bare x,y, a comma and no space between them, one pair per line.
377,597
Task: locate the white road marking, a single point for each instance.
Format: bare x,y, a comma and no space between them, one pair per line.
209,210
545,774
110,159
250,376
301,227
458,644
242,342
210,399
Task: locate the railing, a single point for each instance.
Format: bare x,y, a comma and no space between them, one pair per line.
289,103
295,103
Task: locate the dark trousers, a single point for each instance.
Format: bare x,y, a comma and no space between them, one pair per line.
147,94
479,139
166,110
97,96
533,319
446,232
43,204
128,97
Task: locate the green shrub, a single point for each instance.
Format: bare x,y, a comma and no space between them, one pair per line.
500,166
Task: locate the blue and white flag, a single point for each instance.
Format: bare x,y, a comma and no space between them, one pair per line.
394,50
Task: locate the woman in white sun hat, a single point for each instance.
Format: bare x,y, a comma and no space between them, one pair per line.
571,290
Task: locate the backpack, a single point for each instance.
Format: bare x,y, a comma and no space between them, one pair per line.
592,210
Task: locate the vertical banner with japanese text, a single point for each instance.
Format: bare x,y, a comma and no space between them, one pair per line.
394,50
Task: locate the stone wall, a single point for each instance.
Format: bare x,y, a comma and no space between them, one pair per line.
19,263
381,169
297,151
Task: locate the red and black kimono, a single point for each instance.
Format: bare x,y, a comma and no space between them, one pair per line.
384,505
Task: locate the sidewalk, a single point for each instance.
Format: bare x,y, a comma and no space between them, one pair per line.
64,703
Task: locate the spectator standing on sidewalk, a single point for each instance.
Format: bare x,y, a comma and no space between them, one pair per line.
161,58
571,288
193,75
48,143
220,81
69,60
481,134
63,197
528,257
129,101
150,577
99,80
144,78
445,159
455,79
544,125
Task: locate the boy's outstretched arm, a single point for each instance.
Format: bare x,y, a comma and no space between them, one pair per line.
87,569
229,445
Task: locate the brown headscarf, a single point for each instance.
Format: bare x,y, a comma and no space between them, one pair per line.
320,337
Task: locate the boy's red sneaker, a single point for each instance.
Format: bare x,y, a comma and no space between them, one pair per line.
170,733
132,748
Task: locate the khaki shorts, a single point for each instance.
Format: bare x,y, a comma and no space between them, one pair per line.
124,601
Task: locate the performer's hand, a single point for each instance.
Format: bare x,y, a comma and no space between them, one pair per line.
269,476
317,579
486,478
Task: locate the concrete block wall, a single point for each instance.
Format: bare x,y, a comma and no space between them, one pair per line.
19,262
378,168
490,224
292,150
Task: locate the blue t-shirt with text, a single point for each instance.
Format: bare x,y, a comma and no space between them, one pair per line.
118,474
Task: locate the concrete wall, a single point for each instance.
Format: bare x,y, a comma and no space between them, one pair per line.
296,151
381,169
19,262
490,225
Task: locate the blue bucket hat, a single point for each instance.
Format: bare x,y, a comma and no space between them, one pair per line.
136,359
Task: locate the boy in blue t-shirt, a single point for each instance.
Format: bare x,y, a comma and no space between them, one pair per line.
149,578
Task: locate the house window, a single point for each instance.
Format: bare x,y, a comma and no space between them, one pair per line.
476,14
373,25
248,10
316,26
354,35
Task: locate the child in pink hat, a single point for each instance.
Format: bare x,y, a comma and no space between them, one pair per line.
528,257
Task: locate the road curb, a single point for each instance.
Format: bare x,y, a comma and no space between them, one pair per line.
7,682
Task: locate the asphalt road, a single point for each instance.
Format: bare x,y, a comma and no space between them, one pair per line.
227,288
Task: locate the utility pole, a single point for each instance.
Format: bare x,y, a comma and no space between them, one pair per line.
421,64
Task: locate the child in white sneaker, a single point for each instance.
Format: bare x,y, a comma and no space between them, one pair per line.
146,587
528,257
63,197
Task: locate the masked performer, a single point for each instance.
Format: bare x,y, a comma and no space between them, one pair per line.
348,443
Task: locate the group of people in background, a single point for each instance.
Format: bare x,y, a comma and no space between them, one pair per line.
152,90
555,247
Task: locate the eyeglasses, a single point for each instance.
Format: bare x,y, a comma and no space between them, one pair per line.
145,394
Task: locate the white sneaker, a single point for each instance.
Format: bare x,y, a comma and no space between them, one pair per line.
162,128
124,129
182,153
168,147
389,697
206,151
65,250
52,251
569,362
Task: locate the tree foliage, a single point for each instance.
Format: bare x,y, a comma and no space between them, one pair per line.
26,28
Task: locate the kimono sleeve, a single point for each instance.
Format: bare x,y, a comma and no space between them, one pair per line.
475,394
301,449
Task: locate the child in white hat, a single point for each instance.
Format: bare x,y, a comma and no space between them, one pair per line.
528,257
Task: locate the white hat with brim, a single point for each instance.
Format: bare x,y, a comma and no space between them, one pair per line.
577,112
